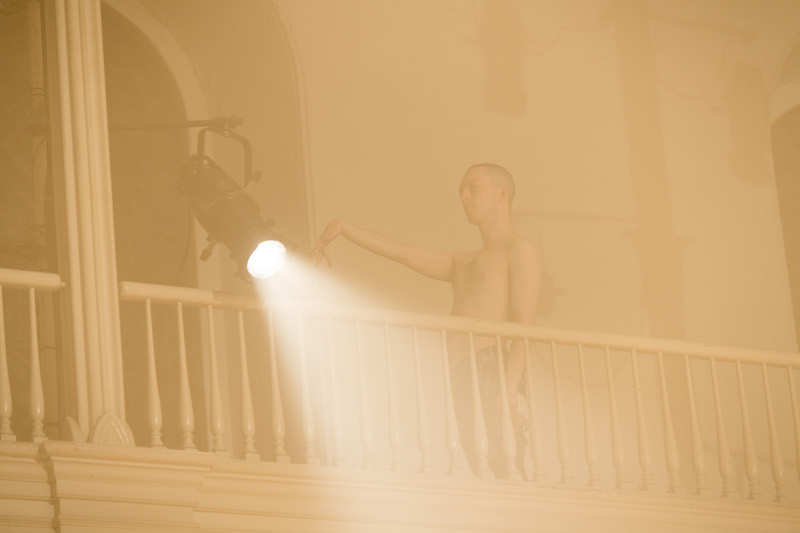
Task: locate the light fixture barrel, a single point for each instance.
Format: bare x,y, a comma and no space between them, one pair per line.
224,209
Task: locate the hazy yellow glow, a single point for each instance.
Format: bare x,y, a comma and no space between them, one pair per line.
300,279
315,357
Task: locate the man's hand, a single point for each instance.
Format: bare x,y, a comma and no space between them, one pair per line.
332,230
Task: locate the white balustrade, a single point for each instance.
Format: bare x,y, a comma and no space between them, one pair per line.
30,282
329,373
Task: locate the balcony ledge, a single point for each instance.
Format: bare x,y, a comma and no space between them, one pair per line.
65,486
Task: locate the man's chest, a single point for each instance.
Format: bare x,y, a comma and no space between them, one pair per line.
482,267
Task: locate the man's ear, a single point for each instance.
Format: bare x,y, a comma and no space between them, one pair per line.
502,194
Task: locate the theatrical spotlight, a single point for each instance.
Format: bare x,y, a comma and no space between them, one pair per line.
229,214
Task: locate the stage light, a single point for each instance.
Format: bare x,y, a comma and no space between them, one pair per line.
230,215
267,259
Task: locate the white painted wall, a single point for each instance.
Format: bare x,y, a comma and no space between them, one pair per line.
396,107
396,99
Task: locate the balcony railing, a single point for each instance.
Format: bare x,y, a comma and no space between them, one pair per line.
23,349
368,388
299,382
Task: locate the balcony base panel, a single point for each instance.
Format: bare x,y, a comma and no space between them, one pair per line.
78,487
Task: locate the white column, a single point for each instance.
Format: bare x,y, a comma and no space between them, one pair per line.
80,128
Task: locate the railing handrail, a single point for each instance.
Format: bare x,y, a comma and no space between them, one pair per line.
137,291
27,279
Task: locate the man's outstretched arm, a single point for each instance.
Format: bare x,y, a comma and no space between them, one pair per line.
430,263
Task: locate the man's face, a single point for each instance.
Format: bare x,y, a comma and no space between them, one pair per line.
479,195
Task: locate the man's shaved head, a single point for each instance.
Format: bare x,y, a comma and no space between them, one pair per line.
499,175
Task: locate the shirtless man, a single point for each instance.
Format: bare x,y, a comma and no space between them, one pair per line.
499,281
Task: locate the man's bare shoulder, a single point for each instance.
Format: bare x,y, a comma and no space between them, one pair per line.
520,244
522,252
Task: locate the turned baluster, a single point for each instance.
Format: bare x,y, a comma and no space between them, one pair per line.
154,414
750,460
479,437
423,433
645,456
561,424
724,454
451,425
217,417
394,417
670,445
364,401
776,457
335,424
276,401
617,449
536,451
306,413
185,409
698,453
6,405
588,428
796,417
248,417
36,389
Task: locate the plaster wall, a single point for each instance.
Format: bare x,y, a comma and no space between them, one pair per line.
624,160
638,133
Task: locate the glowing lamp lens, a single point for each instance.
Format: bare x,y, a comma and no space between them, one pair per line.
267,259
